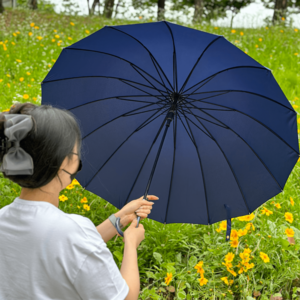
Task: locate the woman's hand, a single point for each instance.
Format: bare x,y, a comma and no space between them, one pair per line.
141,206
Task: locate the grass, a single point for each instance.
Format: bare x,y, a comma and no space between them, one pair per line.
173,249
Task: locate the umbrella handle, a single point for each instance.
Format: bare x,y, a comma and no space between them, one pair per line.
118,227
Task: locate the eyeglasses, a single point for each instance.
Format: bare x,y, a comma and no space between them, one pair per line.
80,163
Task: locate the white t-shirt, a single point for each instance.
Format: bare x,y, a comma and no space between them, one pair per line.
46,254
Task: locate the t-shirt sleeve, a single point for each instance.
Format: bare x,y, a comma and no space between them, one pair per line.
99,277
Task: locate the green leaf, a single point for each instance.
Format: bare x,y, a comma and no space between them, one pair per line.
250,298
178,257
207,239
193,261
119,255
181,295
158,257
150,275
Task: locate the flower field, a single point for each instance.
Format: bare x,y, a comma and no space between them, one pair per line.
176,261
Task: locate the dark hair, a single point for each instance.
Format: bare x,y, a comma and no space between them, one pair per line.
51,139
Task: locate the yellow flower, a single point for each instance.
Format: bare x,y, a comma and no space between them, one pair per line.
39,37
277,205
28,85
53,40
34,98
266,211
25,96
56,36
241,33
232,272
18,60
249,226
69,38
296,30
298,120
30,33
8,85
202,281
140,17
256,46
229,257
32,24
234,235
260,39
7,75
289,232
282,18
198,267
21,79
281,31
218,229
49,65
63,198
78,206
247,250
288,217
223,225
168,278
216,27
28,73
84,200
58,44
1,80
70,186
295,106
292,201
267,27
36,27
13,43
87,31
72,23
233,30
75,182
234,243
225,279
295,53
264,257
14,34
32,79
86,207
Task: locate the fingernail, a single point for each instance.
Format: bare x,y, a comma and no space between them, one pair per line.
152,202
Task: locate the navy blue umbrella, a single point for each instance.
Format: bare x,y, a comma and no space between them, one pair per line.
181,110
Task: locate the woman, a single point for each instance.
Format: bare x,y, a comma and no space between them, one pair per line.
44,252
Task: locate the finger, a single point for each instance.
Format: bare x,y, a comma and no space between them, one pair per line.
150,197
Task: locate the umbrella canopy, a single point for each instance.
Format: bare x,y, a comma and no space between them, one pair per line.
178,110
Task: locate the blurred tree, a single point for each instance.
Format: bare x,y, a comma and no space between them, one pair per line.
92,9
33,4
281,12
1,7
108,8
209,10
146,4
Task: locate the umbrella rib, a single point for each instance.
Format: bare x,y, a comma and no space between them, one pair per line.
214,75
180,109
117,118
174,153
159,74
111,77
138,128
205,119
249,147
249,117
201,168
118,97
161,126
240,91
227,163
131,64
175,84
150,82
140,89
184,84
145,48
